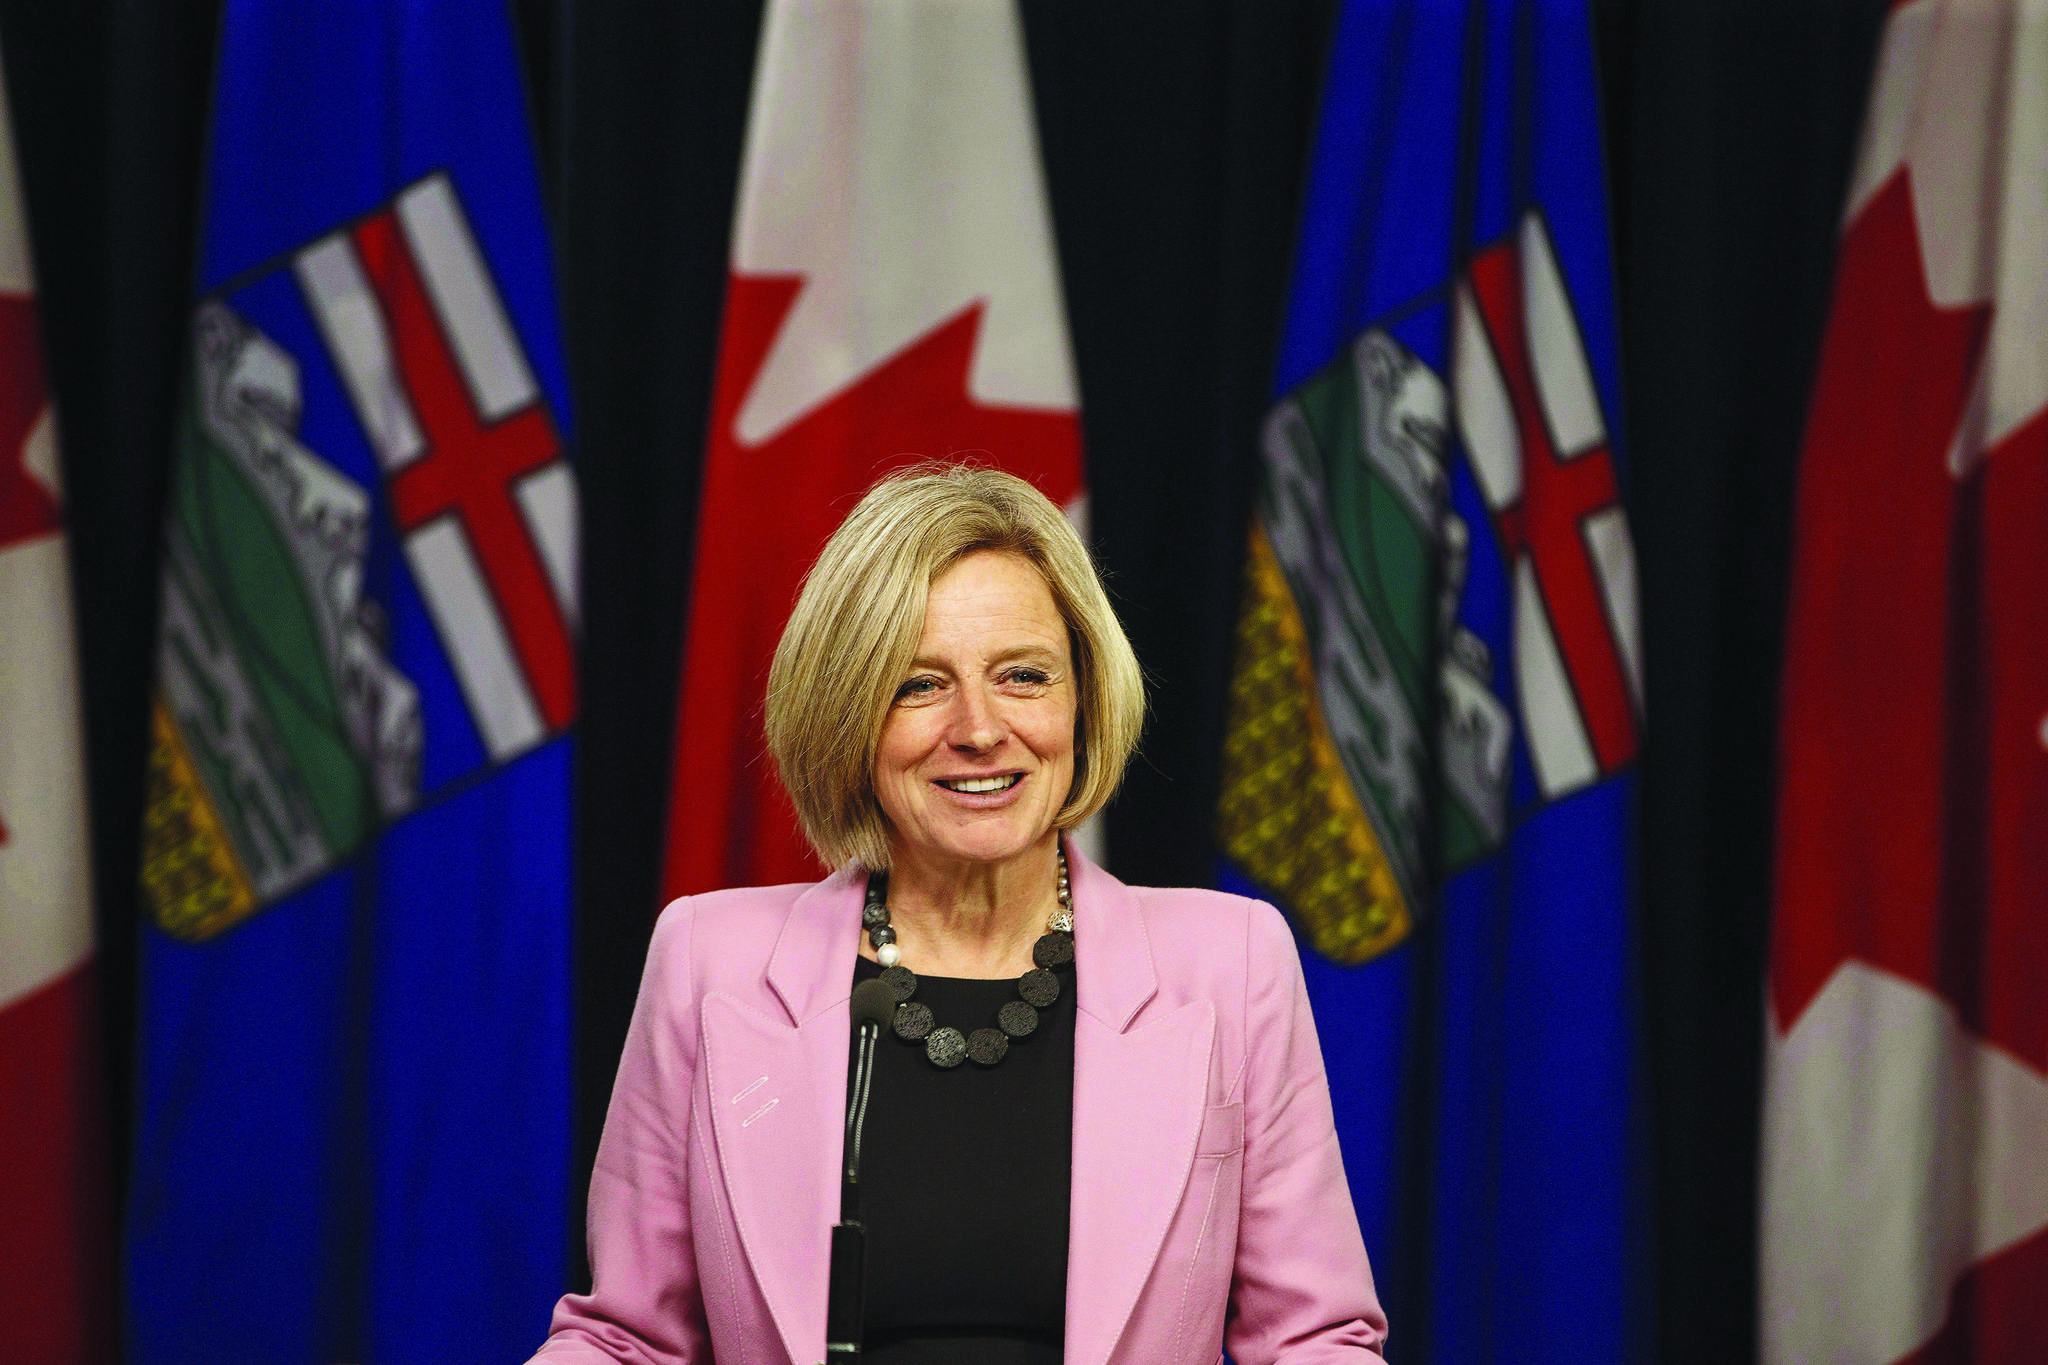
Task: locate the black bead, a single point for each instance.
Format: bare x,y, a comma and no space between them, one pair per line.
987,1046
874,913
881,934
1017,1019
1053,950
1038,987
912,1022
945,1047
900,981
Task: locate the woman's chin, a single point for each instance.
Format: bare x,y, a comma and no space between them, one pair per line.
988,842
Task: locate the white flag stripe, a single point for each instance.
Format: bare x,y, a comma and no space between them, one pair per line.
17,275
2016,352
1558,746
1960,104
39,455
45,879
1486,415
547,497
471,313
1902,65
352,321
1898,1150
1557,353
892,161
1077,514
491,678
1613,553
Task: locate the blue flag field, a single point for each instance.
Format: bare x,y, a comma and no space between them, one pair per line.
352,1133
1437,702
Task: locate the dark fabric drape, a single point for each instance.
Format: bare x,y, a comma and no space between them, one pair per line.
1731,130
643,108
1174,139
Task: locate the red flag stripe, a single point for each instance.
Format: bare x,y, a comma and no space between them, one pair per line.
57,1238
27,509
1869,719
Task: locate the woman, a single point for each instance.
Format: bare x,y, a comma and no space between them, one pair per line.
1100,1129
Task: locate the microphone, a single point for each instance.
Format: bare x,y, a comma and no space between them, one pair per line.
874,1004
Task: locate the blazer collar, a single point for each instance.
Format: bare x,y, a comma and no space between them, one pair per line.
810,969
1118,976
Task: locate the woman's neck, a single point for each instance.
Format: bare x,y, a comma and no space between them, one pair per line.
971,919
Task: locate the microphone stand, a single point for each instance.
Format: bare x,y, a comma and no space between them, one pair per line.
846,1290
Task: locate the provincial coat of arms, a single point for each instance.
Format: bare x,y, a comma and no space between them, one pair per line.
1381,710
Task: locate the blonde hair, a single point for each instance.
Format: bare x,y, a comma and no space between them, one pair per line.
857,623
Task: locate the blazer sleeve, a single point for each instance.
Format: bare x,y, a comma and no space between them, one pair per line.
1301,1290
644,1306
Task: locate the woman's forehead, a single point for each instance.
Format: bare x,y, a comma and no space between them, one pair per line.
995,603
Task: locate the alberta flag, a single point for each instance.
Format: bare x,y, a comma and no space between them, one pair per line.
1437,701
352,1141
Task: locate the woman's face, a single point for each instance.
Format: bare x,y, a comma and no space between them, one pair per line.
977,753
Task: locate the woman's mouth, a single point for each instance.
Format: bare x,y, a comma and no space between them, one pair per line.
979,786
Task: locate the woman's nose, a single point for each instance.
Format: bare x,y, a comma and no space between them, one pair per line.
976,724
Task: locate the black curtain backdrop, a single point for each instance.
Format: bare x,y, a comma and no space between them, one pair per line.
1174,137
1731,130
644,108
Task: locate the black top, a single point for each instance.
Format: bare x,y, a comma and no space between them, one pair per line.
965,1176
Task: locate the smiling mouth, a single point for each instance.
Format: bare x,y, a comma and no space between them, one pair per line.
975,786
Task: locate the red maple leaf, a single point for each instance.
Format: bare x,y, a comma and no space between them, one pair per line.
764,513
26,507
1914,772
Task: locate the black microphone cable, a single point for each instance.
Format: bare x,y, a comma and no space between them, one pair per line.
874,1004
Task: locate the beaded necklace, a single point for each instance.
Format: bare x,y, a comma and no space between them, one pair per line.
944,1045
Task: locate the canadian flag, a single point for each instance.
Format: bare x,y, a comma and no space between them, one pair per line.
1905,1172
55,1234
894,297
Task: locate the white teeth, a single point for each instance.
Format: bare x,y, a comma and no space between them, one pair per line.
980,784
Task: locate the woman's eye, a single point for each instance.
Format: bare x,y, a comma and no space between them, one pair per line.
1029,677
917,687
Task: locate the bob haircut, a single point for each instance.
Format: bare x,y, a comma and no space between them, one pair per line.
856,626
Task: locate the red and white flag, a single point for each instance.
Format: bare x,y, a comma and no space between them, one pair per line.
1905,1171
55,1234
894,296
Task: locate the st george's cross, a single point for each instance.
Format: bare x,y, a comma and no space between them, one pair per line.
479,489
1530,418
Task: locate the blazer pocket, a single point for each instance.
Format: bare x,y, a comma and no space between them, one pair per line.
1222,1131
1204,1236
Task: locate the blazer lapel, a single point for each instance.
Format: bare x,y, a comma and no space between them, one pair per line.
1140,1086
778,1099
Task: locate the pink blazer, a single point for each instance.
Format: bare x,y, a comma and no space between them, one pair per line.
1209,1206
